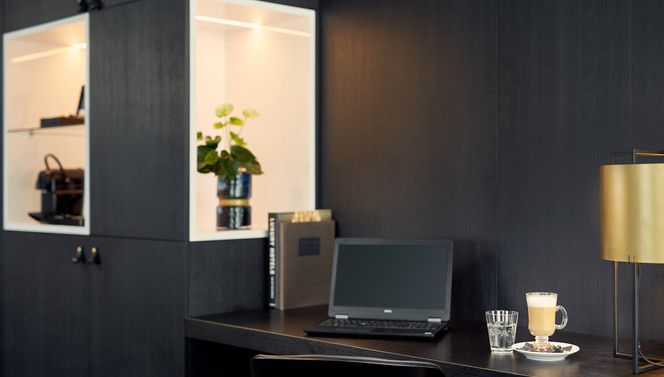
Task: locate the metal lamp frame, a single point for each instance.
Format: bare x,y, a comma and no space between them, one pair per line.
637,356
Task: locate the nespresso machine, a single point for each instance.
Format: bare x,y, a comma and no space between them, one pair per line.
61,195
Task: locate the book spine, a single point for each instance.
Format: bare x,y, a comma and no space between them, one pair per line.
272,278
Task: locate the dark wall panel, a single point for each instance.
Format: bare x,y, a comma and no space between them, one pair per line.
227,276
578,80
308,4
408,128
646,89
487,122
563,106
646,130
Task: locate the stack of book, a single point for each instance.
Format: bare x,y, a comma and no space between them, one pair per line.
301,246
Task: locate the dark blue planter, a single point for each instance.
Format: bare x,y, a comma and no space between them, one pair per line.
234,211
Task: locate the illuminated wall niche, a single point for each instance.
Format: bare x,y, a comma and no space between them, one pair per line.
255,55
45,68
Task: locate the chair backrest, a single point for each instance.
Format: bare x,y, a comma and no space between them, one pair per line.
339,366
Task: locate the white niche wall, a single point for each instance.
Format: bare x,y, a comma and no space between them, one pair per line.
255,55
45,67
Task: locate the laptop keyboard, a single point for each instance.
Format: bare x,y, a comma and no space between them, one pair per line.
414,325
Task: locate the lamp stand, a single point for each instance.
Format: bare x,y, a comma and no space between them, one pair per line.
636,356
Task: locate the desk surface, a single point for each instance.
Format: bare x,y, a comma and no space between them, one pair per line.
463,350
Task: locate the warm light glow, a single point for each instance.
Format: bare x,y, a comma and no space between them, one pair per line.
286,31
249,25
43,54
224,21
632,213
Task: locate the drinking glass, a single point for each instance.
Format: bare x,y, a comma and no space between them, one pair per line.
501,325
542,310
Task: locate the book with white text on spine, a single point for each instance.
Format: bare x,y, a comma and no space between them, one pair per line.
300,247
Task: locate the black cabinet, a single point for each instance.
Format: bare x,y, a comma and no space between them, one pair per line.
137,306
44,306
24,13
138,121
121,316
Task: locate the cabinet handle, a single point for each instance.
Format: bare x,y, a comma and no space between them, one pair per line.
82,6
89,5
94,256
96,4
78,256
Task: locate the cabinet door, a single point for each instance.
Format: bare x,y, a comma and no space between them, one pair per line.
44,306
138,121
137,308
112,3
23,13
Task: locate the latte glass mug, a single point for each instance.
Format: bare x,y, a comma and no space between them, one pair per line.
542,310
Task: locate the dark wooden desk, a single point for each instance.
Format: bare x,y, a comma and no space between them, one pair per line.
463,351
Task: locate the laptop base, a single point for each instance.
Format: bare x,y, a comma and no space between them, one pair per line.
368,331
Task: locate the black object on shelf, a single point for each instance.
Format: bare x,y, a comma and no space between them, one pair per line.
57,219
62,121
62,195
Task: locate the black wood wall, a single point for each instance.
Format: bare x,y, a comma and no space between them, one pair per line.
486,122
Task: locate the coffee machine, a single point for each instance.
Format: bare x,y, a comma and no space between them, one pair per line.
61,195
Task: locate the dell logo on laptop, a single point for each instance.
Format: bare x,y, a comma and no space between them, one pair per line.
387,311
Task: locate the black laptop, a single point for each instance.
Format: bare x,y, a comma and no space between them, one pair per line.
389,287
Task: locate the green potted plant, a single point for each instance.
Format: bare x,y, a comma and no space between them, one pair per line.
233,164
233,156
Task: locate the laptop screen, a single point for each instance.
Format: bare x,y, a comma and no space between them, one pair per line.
391,278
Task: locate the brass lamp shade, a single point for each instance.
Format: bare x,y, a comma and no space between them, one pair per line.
632,213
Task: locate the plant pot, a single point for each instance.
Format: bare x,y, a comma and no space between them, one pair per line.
234,211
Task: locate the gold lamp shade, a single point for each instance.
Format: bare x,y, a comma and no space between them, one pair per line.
632,213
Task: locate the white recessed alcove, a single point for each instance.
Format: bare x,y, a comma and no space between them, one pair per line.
44,70
257,55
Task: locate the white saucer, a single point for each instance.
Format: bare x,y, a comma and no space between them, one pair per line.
546,356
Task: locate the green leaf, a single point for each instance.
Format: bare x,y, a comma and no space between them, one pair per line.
230,165
223,176
237,121
250,113
212,143
242,154
211,158
218,125
238,140
223,110
218,168
201,151
204,168
199,135
253,167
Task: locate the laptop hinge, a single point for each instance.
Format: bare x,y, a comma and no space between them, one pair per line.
434,320
341,316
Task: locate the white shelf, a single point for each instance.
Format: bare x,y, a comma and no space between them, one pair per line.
46,228
257,55
73,130
229,235
44,70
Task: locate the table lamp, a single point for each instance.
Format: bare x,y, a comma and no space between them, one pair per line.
632,231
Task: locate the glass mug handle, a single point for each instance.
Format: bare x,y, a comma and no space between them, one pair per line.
564,322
